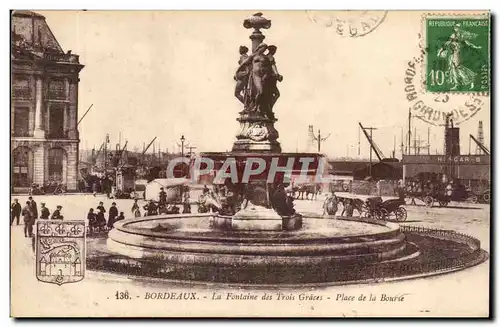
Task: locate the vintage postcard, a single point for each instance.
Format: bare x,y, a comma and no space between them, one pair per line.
250,163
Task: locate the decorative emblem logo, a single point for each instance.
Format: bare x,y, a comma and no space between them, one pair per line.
60,251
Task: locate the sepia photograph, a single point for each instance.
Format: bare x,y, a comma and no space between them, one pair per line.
250,163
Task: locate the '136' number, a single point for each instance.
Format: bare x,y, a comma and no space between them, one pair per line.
122,295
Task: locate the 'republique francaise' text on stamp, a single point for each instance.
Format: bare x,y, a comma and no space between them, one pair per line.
60,251
457,54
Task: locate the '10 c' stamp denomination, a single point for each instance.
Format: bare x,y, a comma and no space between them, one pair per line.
60,251
457,54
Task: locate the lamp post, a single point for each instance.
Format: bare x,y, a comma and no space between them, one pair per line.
182,154
182,145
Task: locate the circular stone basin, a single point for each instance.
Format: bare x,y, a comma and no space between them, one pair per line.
190,240
200,228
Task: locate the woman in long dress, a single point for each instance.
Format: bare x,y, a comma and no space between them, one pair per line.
458,73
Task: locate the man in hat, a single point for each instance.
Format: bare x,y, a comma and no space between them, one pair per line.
162,197
113,213
34,209
44,212
101,207
151,208
56,215
28,220
15,211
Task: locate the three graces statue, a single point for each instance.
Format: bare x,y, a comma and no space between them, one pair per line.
256,80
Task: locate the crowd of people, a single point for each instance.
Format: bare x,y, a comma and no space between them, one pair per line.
97,220
30,214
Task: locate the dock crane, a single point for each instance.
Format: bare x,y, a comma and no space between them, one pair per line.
121,151
146,149
96,155
375,147
479,144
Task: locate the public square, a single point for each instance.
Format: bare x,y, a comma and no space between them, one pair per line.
473,219
116,135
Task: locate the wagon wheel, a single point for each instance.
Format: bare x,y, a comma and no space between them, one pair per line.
486,197
373,214
443,203
428,200
383,214
401,214
474,199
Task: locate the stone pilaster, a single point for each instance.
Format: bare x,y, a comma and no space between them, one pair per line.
39,154
73,109
72,167
38,131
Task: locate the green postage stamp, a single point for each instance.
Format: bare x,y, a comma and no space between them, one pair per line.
458,54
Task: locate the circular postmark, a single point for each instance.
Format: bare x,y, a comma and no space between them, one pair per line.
437,108
349,23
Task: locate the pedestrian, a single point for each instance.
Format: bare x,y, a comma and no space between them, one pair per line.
34,209
44,212
101,207
28,220
135,209
15,212
151,208
91,217
120,217
162,197
101,221
56,215
113,213
348,209
186,204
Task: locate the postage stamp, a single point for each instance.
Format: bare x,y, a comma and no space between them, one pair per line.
457,56
60,251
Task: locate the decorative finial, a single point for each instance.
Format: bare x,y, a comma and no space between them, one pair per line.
257,21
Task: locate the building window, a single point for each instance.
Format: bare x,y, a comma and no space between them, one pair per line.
21,121
56,121
57,90
21,167
21,88
56,165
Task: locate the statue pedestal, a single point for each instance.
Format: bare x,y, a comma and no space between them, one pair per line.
257,218
256,134
251,146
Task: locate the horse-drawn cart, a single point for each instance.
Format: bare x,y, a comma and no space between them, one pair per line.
375,207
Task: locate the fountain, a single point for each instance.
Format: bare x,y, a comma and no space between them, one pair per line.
266,241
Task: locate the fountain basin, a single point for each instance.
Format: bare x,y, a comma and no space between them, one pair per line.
192,240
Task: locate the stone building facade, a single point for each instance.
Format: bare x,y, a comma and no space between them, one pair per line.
44,105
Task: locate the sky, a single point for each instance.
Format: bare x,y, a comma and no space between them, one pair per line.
165,74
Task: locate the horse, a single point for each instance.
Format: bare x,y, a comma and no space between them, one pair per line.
307,189
357,204
331,206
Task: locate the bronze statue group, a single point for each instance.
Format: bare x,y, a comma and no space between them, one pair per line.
256,80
